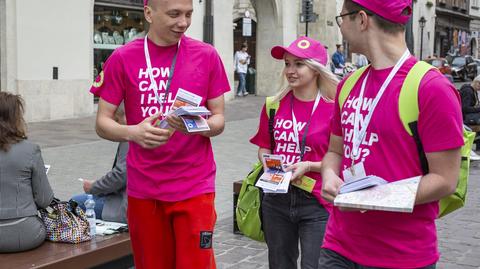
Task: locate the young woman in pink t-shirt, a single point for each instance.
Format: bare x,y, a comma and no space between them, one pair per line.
301,134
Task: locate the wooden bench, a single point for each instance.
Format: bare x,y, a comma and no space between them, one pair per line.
113,251
237,185
475,128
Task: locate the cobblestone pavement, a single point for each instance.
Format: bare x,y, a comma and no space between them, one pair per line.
74,150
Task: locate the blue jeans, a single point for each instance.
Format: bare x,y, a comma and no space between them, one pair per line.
242,83
99,202
288,218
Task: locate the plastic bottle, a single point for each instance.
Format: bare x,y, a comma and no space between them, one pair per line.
90,212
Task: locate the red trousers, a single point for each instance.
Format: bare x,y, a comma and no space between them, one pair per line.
172,235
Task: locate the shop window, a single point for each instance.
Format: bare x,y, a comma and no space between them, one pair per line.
114,27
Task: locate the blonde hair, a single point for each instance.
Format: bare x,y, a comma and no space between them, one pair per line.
326,81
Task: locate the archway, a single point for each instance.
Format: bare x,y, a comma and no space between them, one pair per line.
474,47
276,24
249,37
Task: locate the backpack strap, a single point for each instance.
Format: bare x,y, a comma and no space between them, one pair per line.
408,106
271,108
408,99
348,85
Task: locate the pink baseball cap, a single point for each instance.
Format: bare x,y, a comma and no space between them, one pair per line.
145,2
304,48
390,10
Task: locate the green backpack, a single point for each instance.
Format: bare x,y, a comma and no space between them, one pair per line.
408,110
249,203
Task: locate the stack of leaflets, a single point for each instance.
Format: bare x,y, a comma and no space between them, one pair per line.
274,179
186,106
362,183
397,196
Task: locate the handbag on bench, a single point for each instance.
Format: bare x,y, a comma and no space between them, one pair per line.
65,222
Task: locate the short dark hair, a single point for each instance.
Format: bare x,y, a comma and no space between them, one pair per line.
338,46
12,124
244,45
385,25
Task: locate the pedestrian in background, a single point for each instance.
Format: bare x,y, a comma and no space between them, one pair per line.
379,145
338,60
301,134
24,185
241,61
171,173
360,60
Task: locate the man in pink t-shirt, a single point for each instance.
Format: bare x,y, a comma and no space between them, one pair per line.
381,239
171,173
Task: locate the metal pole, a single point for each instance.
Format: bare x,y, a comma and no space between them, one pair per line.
306,28
409,34
421,43
208,23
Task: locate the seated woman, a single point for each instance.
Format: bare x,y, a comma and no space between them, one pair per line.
471,110
470,103
109,191
24,185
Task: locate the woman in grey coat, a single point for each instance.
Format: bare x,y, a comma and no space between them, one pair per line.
24,185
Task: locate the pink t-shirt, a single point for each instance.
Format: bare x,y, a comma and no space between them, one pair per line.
316,142
184,167
388,239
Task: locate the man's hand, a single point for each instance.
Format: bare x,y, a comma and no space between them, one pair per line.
177,123
330,186
299,169
87,185
148,136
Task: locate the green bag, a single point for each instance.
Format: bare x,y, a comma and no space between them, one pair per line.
457,200
409,111
249,203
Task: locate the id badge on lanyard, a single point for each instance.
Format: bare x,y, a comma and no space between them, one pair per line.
358,170
305,183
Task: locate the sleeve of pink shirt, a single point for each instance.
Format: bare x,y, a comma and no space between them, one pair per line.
440,124
113,85
262,137
335,122
218,82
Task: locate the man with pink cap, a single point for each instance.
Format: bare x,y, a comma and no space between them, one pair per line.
171,173
368,137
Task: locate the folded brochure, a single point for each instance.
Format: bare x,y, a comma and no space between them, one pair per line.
397,196
274,178
362,183
187,106
191,117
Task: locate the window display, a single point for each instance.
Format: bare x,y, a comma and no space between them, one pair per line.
114,27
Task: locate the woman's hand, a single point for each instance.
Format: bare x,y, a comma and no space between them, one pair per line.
299,169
